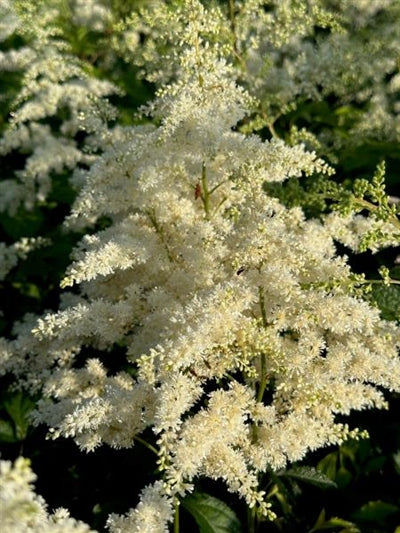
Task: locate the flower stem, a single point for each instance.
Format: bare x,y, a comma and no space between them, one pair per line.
231,10
161,234
251,520
145,443
205,192
372,207
263,377
262,307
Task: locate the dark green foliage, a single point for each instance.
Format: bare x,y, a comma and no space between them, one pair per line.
14,416
211,514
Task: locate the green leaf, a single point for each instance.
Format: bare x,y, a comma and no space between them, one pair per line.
18,406
328,465
27,289
375,464
7,431
22,224
375,512
396,460
336,522
211,514
320,521
343,477
333,523
310,475
387,298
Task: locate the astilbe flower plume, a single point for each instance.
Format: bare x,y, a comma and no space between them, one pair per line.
217,292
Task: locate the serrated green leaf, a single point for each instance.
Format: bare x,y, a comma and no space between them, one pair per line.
211,514
310,475
375,512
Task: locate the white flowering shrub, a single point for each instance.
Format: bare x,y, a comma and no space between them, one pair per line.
246,336
54,85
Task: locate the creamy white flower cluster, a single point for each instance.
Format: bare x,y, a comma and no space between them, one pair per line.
91,14
289,52
54,83
343,50
8,20
244,337
23,511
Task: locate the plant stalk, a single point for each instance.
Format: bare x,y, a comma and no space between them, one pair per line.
205,197
251,520
145,443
